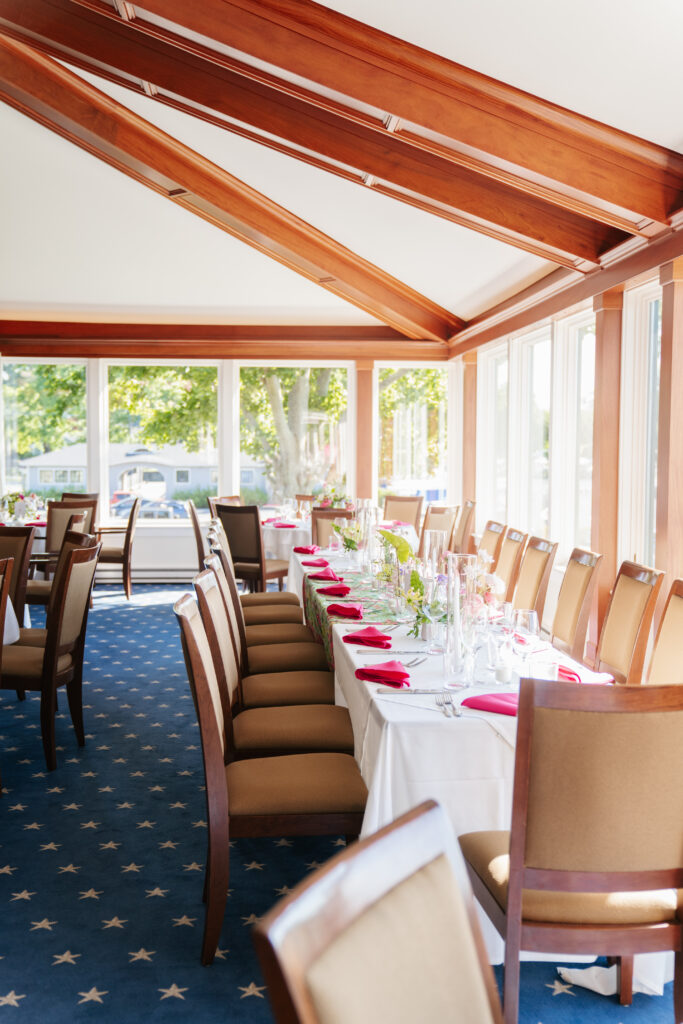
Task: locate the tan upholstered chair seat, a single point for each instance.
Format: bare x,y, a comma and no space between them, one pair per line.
287,658
296,784
38,588
309,728
261,615
276,566
277,597
247,569
488,854
284,688
32,637
278,633
111,553
28,661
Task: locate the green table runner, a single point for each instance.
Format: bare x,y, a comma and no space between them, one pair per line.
376,608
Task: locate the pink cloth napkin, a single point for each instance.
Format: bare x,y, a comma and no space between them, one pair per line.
307,549
37,522
327,575
336,590
369,637
569,675
319,563
563,672
348,610
499,703
273,519
399,522
389,673
285,526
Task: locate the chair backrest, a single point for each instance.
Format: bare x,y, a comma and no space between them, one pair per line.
574,602
6,574
626,627
438,518
510,559
16,543
228,499
79,499
73,540
198,535
383,931
242,527
219,634
59,520
534,573
67,612
463,527
492,541
130,529
666,665
406,508
219,563
322,523
612,812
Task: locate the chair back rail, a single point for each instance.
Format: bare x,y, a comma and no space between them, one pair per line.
228,499
322,521
463,528
407,508
16,542
242,526
626,628
77,498
510,559
59,515
570,624
666,665
216,623
492,541
438,517
534,574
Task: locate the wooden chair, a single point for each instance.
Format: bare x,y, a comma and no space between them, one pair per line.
230,499
322,522
242,527
510,560
381,932
296,794
460,541
265,731
16,542
666,666
62,519
121,554
197,530
570,624
304,499
59,662
6,573
626,627
86,502
595,852
258,609
534,574
492,541
405,508
438,518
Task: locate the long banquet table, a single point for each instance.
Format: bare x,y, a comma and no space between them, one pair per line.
409,751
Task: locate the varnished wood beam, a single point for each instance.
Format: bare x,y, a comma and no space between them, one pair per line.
115,49
395,76
54,96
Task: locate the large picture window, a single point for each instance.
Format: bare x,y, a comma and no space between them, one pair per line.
413,432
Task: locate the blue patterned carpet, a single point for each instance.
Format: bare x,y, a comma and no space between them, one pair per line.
101,861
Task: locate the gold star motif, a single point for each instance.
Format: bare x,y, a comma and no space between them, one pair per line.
111,845
189,921
221,953
114,922
18,807
146,824
90,824
561,988
156,892
177,804
65,958
69,869
252,919
33,827
43,925
339,842
88,775
173,992
168,845
283,842
252,990
253,866
50,846
142,954
314,864
284,891
10,999
126,806
71,807
91,894
92,996
130,867
194,866
105,789
199,824
23,895
56,789
156,789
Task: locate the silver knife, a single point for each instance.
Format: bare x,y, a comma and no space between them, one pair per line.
417,692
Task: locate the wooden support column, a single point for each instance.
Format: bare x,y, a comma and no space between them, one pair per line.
366,428
669,550
469,427
605,506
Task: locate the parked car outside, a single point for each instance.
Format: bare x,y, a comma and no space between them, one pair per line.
163,509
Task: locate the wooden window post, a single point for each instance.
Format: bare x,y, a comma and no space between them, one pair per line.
469,427
669,550
366,428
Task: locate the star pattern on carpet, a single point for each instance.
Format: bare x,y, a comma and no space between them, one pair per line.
142,954
561,988
93,995
11,999
252,990
173,992
65,958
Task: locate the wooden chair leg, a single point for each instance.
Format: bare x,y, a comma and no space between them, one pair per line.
217,880
21,694
678,988
625,979
279,583
74,693
47,727
511,980
127,582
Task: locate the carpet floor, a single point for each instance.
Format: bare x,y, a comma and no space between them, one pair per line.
101,861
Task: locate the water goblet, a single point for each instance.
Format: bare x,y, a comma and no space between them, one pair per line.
525,633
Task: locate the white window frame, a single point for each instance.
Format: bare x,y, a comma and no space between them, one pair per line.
485,454
182,470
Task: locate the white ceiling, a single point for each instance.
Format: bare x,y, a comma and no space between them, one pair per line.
79,236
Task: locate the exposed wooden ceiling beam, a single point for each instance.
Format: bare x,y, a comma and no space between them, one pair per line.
393,75
424,179
53,95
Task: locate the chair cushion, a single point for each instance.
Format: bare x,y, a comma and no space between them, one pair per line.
111,553
304,729
286,658
276,567
260,615
278,633
248,570
27,662
38,588
32,637
279,689
270,597
488,854
296,784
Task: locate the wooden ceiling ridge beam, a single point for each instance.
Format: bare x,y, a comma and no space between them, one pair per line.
479,202
40,86
364,63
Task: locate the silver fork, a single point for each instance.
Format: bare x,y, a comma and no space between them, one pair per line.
442,703
455,709
415,661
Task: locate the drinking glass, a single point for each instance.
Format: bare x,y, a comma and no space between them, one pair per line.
434,606
525,632
435,550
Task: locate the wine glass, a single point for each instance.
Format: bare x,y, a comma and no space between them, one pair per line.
434,607
525,633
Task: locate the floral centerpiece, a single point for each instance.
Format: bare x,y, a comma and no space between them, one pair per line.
334,497
17,505
350,534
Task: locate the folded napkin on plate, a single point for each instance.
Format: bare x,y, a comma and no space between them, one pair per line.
588,678
307,549
327,575
285,526
349,610
369,637
37,522
563,672
389,673
273,519
319,563
336,590
399,522
499,703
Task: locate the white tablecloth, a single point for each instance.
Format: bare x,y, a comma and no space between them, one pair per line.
279,543
11,630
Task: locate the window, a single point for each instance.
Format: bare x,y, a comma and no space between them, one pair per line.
214,477
75,476
61,476
182,476
45,476
492,432
292,431
529,444
247,476
413,432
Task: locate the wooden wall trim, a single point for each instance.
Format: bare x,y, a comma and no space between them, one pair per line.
37,85
669,551
366,429
395,76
